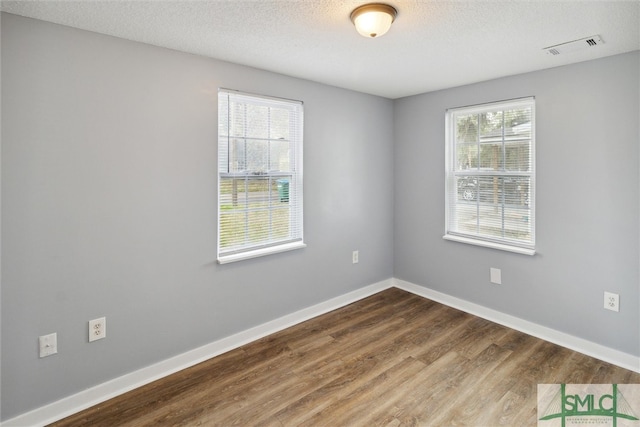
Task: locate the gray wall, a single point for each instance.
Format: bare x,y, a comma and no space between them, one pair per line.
588,134
109,206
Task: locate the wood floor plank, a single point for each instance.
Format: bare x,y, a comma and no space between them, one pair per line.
424,393
356,371
355,406
465,402
393,359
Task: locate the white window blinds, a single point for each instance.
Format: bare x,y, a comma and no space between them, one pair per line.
259,175
491,175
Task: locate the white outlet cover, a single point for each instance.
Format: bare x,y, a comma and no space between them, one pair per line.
496,276
48,344
97,329
612,301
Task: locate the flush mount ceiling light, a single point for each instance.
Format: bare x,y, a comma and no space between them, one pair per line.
374,19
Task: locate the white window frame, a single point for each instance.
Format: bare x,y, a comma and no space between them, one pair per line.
294,201
452,199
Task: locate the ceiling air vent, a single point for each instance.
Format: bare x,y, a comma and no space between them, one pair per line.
574,46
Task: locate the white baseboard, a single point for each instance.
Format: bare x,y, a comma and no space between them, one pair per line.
95,395
571,342
70,405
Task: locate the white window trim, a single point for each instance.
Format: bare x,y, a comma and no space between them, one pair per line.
226,259
488,244
273,247
450,165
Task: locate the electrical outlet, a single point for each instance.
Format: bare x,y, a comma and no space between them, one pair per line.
48,344
354,257
495,275
611,301
97,329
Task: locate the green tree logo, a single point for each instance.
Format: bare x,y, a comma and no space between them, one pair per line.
588,405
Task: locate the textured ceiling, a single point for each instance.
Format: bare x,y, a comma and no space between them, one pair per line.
432,44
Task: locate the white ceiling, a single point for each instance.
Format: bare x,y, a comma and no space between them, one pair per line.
432,44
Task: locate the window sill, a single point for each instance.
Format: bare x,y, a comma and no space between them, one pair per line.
492,245
226,259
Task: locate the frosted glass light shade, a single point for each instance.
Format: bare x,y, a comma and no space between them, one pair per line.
373,20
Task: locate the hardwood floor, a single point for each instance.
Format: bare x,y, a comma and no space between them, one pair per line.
393,359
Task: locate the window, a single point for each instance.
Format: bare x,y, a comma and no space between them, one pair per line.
490,175
259,175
